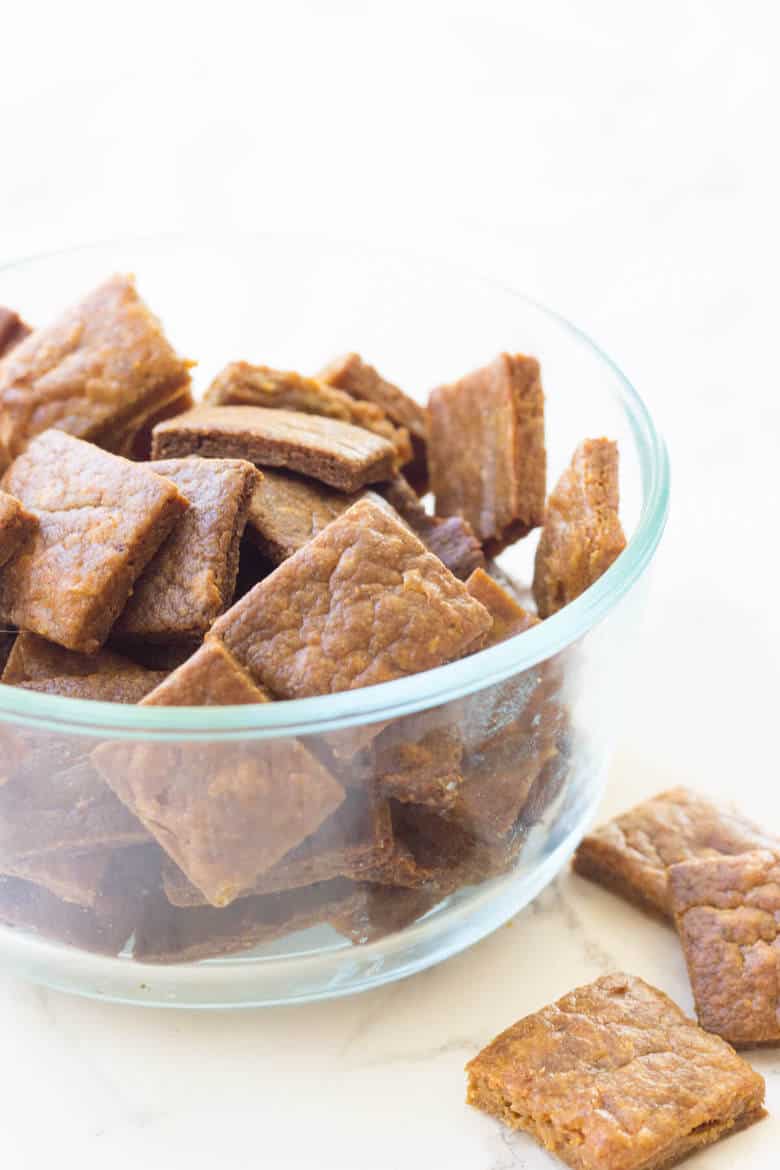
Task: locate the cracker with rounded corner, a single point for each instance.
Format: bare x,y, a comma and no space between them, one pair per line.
101,364
631,854
615,1077
727,913
100,520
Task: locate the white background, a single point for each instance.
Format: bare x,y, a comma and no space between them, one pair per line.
619,162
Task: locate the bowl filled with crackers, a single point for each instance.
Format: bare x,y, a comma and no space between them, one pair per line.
321,571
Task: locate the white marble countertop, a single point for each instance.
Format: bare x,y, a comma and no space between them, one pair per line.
617,162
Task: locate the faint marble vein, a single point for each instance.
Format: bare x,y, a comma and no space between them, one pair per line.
510,1157
592,949
465,1045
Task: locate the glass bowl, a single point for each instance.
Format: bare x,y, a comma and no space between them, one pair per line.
526,727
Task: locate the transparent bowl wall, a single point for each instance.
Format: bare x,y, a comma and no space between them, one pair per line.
532,721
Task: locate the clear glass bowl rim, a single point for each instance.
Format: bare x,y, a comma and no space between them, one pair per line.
390,700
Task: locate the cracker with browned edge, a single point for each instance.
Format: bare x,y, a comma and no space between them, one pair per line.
727,911
582,534
192,578
363,602
100,519
12,330
37,665
106,923
55,802
354,839
631,854
373,912
486,449
241,384
97,368
450,538
336,453
615,1077
363,382
225,812
73,877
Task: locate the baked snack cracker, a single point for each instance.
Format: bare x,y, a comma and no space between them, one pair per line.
336,453
486,449
192,578
241,384
582,534
100,519
631,854
53,804
172,934
363,602
614,1077
353,840
362,381
101,366
38,665
225,814
450,538
727,911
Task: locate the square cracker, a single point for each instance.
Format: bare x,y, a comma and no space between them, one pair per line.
192,578
727,911
631,854
357,837
225,812
38,665
486,449
336,453
582,534
100,519
363,602
104,362
614,1077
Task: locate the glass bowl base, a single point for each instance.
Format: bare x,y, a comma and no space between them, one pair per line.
315,964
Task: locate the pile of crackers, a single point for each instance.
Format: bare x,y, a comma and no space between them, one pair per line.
614,1074
270,544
